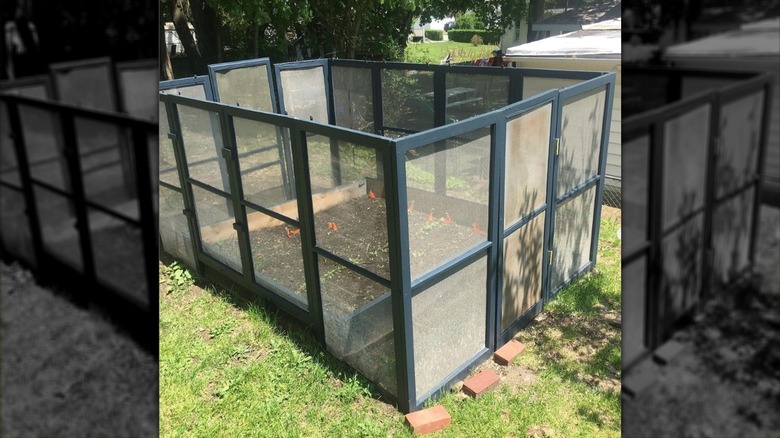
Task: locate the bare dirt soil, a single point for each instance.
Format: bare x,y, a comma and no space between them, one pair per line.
66,371
726,379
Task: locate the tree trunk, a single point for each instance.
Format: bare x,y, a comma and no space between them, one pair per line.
209,30
535,13
182,25
166,69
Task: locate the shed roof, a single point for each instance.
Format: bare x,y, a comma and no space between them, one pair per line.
755,39
600,40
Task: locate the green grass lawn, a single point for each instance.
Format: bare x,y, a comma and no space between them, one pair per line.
435,52
231,370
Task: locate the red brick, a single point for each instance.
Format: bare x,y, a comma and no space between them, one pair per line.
429,420
506,354
482,382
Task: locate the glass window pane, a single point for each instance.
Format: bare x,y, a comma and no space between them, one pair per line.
470,95
681,255
633,310
453,309
261,158
523,258
87,85
14,225
407,99
58,227
535,85
583,119
732,224
138,88
44,147
527,152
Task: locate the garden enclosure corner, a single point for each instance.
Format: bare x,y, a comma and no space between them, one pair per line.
415,216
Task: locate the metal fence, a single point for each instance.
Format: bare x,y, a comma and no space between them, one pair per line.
693,162
77,184
392,207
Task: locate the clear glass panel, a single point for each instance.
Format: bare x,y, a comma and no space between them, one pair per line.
139,88
353,98
261,160
216,219
88,86
407,99
30,90
681,258
573,233
174,231
583,120
636,164
469,95
535,85
527,152
448,325
684,171
58,227
118,252
277,256
44,147
9,167
696,84
350,219
732,226
304,94
107,166
247,87
358,322
447,188
14,225
740,137
202,140
523,258
633,309
195,91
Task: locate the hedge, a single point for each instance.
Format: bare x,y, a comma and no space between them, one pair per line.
434,34
465,35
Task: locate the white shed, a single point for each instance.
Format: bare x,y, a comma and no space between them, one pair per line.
595,47
753,47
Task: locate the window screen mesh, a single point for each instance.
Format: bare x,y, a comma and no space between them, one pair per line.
87,86
581,135
633,309
203,147
470,95
353,98
138,89
740,135
636,163
118,253
358,322
523,258
247,87
573,232
276,256
14,225
681,255
304,94
732,224
261,159
447,190
174,231
407,99
527,152
448,325
686,138
58,227
215,218
535,85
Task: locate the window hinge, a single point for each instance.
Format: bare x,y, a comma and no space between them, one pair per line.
557,145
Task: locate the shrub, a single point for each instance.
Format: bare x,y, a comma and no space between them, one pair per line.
468,20
434,34
466,35
476,40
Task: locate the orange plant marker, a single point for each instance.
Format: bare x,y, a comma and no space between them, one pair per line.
446,219
476,229
430,216
371,194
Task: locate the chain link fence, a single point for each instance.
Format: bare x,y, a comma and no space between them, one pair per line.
612,192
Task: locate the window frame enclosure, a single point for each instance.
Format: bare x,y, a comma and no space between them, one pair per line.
726,88
480,139
90,214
